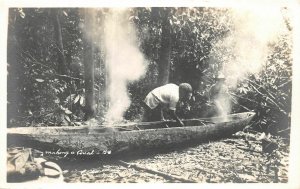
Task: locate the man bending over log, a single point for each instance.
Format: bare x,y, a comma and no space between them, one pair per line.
165,97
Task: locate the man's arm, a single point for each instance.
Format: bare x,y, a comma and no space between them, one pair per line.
162,118
176,117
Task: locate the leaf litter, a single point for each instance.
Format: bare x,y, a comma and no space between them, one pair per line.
213,162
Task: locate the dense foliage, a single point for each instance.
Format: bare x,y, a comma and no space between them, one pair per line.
39,93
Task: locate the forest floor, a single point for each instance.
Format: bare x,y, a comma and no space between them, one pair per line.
239,159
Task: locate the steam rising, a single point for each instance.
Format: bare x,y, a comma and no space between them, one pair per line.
254,29
125,63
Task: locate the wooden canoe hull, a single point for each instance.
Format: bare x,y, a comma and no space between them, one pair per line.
94,139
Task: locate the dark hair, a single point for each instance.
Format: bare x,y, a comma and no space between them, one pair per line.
185,87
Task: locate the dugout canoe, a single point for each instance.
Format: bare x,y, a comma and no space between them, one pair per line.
128,137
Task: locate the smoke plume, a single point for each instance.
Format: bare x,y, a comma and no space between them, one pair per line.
253,30
124,61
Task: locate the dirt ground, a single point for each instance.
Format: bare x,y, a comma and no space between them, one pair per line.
239,159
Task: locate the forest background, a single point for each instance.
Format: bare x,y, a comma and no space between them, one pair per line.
68,65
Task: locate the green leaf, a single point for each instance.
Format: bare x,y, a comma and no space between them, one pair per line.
65,13
39,80
62,108
68,111
76,99
81,100
67,118
22,14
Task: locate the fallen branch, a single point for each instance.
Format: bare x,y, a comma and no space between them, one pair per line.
247,149
165,175
231,142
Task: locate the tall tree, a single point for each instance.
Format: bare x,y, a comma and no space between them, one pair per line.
165,52
88,66
13,69
62,67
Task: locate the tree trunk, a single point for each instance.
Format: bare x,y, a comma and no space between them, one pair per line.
15,69
88,68
165,52
62,68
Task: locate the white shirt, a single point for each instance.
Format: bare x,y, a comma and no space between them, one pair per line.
166,95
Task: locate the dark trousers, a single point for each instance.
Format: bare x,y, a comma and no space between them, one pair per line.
150,115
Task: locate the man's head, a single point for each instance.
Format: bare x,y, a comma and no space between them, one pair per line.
220,78
185,91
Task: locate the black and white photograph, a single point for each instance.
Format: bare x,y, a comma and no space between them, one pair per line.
149,94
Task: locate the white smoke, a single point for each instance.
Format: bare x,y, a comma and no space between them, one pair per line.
255,28
125,63
247,46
